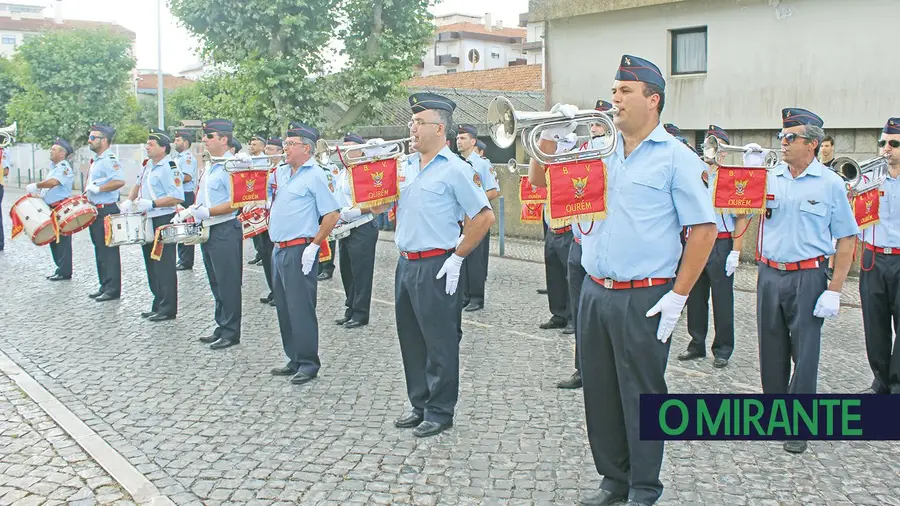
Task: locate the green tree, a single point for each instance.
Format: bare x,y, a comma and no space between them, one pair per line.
281,49
235,96
9,86
69,80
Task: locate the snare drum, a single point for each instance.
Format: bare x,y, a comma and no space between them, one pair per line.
36,219
190,234
124,229
254,221
75,214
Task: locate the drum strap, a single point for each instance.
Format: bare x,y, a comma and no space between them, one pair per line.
145,178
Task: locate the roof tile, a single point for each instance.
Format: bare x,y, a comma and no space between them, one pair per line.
515,78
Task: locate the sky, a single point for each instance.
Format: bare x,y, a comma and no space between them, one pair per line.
179,46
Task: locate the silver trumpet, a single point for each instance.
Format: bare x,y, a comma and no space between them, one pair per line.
233,163
505,123
712,147
514,166
325,152
862,176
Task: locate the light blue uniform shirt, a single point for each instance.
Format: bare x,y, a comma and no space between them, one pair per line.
158,181
300,200
807,213
105,168
652,195
724,222
343,189
432,199
187,164
215,186
886,234
63,173
485,170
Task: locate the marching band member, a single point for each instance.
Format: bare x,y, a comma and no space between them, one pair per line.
303,213
436,188
102,187
156,193
356,251
480,146
222,255
273,147
55,189
807,207
475,268
716,278
235,147
257,146
880,273
187,165
632,299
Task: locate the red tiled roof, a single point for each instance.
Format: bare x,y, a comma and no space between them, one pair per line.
148,81
42,24
516,78
479,28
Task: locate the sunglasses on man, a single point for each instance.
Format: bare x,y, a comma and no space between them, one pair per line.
894,143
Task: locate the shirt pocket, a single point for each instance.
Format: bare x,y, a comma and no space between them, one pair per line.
649,181
817,209
434,188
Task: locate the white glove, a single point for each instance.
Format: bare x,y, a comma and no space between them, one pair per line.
571,138
243,157
460,240
753,155
126,207
558,134
670,305
92,188
731,263
143,205
309,258
199,213
828,305
451,269
182,215
349,214
567,110
32,188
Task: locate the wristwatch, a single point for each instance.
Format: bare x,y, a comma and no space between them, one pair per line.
153,204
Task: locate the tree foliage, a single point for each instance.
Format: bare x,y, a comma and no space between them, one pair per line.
282,50
9,86
69,80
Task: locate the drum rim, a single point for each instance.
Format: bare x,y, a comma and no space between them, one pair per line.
62,223
38,230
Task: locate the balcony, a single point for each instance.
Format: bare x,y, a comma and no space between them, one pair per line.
532,46
446,59
517,62
523,19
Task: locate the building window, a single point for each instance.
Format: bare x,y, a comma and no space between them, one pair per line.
451,71
689,51
9,39
495,53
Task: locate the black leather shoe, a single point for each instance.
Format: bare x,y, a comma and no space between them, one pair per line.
301,378
95,294
409,420
427,429
474,306
255,261
104,297
223,343
324,276
181,267
554,323
542,291
160,317
720,362
272,302
267,298
573,382
57,277
147,314
209,339
795,446
283,371
602,498
691,355
569,330
354,324
343,320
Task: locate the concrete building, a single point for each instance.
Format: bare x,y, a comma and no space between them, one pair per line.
735,64
534,40
463,43
23,19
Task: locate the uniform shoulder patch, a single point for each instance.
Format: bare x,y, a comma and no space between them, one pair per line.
331,187
173,165
116,166
177,181
477,180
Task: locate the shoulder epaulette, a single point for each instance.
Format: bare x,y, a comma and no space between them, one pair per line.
173,165
112,156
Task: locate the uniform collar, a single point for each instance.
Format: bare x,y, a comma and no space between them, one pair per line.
104,155
162,161
815,168
659,134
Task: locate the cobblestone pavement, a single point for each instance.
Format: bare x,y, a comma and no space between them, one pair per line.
215,428
41,464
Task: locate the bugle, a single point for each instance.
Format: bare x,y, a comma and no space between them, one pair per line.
505,123
514,166
235,162
712,147
861,176
385,150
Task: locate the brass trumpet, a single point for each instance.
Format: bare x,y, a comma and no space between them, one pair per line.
324,151
712,147
505,122
862,176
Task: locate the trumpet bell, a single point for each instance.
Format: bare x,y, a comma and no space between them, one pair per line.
504,125
8,134
847,168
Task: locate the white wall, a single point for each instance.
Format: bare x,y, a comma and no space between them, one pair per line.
828,56
460,48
